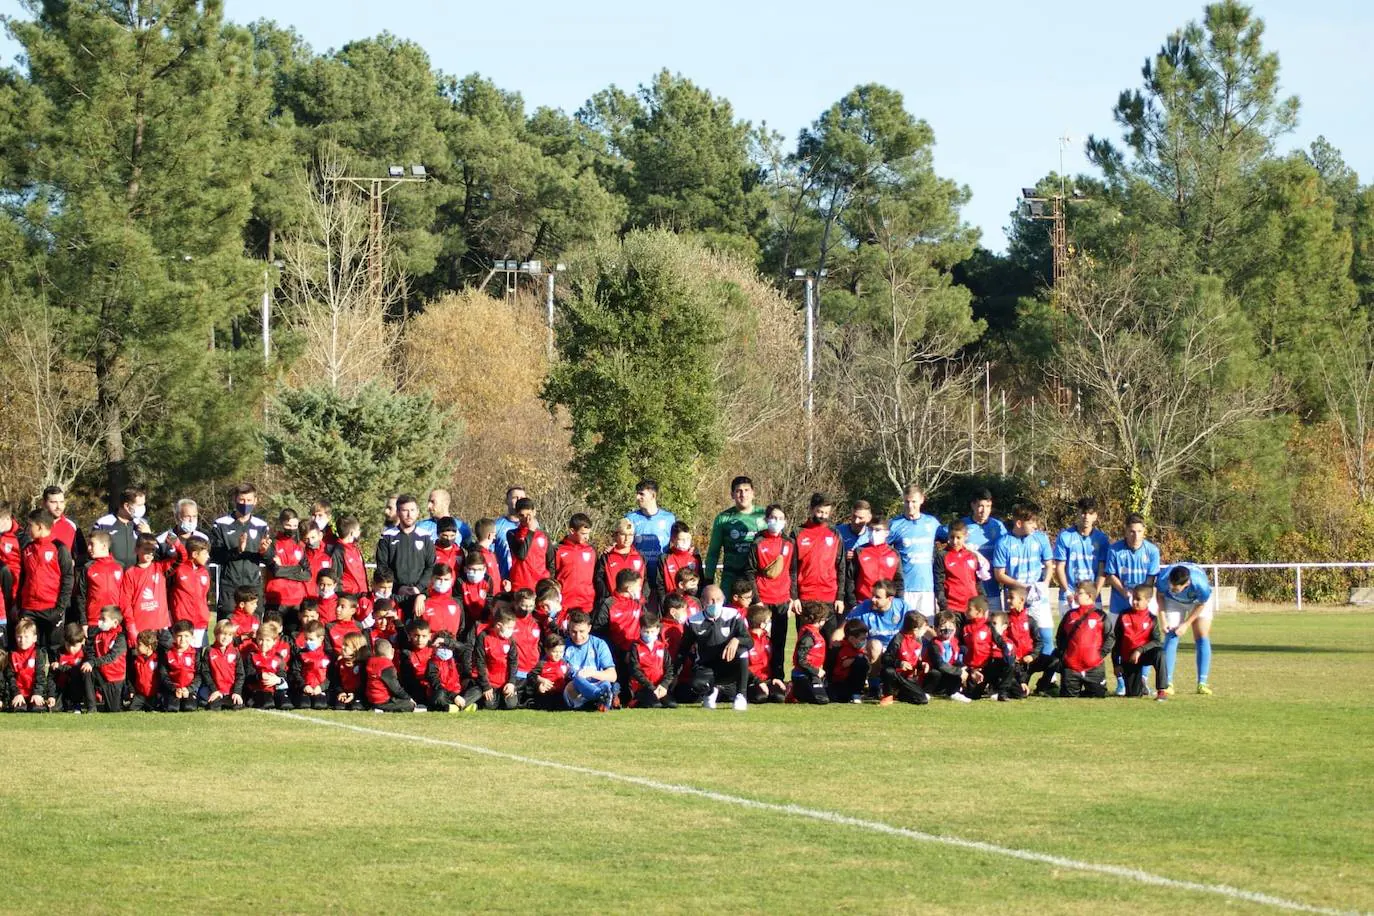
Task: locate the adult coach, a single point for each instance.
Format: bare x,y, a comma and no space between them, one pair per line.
125,524
1023,557
506,523
912,535
237,544
732,536
408,555
653,526
1185,599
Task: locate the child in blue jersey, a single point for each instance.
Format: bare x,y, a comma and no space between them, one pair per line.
1185,598
912,535
1131,561
1080,553
1024,557
882,614
591,669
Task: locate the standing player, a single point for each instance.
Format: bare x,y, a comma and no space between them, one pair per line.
1131,561
1024,557
506,523
732,536
1080,554
237,544
984,532
1185,597
913,536
653,526
820,557
855,532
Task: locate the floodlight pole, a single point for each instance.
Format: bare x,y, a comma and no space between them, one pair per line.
376,189
809,303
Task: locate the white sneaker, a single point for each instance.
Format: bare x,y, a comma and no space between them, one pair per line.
959,698
710,701
741,702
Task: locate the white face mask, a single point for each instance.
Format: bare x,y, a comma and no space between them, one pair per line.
327,593
443,653
474,575
775,525
442,585
382,593
138,511
713,610
684,542
312,644
188,526
321,522
106,625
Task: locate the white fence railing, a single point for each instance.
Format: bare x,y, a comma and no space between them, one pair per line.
1214,570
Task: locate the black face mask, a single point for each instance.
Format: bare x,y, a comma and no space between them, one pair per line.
241,509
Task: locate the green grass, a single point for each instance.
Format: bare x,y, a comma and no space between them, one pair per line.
1265,786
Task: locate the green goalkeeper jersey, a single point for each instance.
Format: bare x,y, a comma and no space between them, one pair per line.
732,537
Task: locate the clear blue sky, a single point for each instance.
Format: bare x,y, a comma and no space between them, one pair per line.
985,74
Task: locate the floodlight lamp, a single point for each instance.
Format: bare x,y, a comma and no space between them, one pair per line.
395,171
798,273
1028,193
417,171
560,267
824,272
1037,209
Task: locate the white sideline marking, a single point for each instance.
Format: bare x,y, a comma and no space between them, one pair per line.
844,820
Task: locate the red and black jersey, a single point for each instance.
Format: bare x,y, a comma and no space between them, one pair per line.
820,562
320,558
771,563
110,653
760,655
671,564
221,669
905,654
531,555
451,556
527,634
872,563
617,621
286,573
555,672
417,666
179,666
348,676
494,660
961,579
28,672
191,594
336,632
11,555
384,630
143,598
99,587
1083,640
493,569
260,661
377,691
1136,630
944,655
45,576
650,665
609,565
67,663
574,566
844,660
475,598
143,675
808,655
348,556
65,532
977,642
442,674
247,625
671,634
312,666
328,607
1021,633
443,614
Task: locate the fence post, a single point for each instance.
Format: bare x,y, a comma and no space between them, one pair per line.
1298,568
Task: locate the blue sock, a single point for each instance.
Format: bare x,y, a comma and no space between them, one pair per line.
1046,641
1204,658
1170,656
875,686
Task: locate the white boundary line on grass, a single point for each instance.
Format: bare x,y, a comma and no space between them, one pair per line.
844,820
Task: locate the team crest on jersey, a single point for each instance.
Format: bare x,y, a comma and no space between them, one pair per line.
734,534
230,657
829,541
30,664
890,561
982,636
118,574
1092,622
326,564
47,556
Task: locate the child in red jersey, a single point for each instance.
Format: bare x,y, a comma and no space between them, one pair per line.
310,668
72,686
964,571
310,612
46,580
267,660
1005,675
763,686
531,550
288,570
447,550
872,563
621,555
107,660
526,635
386,625
904,662
741,595
1083,644
383,586
484,533
1022,637
190,585
475,592
143,673
945,676
245,615
978,647
617,618
494,660
1139,642
348,559
675,614
443,612
179,681
548,606
98,585
546,683
650,667
27,681
382,689
850,677
575,564
689,587
680,557
773,567
413,663
326,596
349,670
443,677
808,657
222,673
343,624
143,591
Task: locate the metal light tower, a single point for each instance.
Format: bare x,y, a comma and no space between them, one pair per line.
513,270
376,189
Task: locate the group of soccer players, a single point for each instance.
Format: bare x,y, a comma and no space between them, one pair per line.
508,614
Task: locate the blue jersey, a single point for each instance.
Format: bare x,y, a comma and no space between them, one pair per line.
1197,591
850,539
1132,567
881,627
431,527
1081,554
983,538
1023,558
914,541
594,653
653,533
500,547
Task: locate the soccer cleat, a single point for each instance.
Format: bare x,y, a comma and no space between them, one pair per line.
857,698
741,702
1161,696
1120,687
886,701
959,698
453,709
470,707
710,701
1204,690
1169,686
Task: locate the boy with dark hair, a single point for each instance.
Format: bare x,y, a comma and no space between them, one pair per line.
72,686
348,558
617,617
222,673
143,674
526,635
26,675
574,565
98,585
772,565
872,563
717,642
1139,643
531,550
808,657
763,686
945,674
680,557
245,615
548,605
495,659
414,663
591,668
442,611
1082,647
820,557
484,536
1005,675
143,592
107,660
965,570
447,549
288,571
310,668
46,578
180,678
443,682
546,684
267,664
904,663
474,592
650,667
978,647
850,676
383,691
190,581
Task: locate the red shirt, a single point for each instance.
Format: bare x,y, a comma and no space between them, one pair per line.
1137,629
574,567
671,634
1084,627
64,532
1019,633
443,614
526,636
474,597
190,595
144,675
319,559
977,642
350,676
143,598
672,563
845,660
961,579
873,562
353,575
103,577
24,663
768,549
820,553
40,575
651,663
451,556
815,655
376,691
10,554
314,666
613,561
117,668
622,621
496,656
526,571
555,673
181,666
247,625
909,649
336,632
223,665
417,663
449,681
760,655
285,592
266,661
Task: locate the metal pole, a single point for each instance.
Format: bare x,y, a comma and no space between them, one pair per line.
548,308
266,319
1298,569
374,243
1002,430
971,427
810,373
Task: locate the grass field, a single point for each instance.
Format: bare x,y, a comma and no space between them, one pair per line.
1267,787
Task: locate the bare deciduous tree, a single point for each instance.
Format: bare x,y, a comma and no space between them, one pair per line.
1347,374
1154,369
331,300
